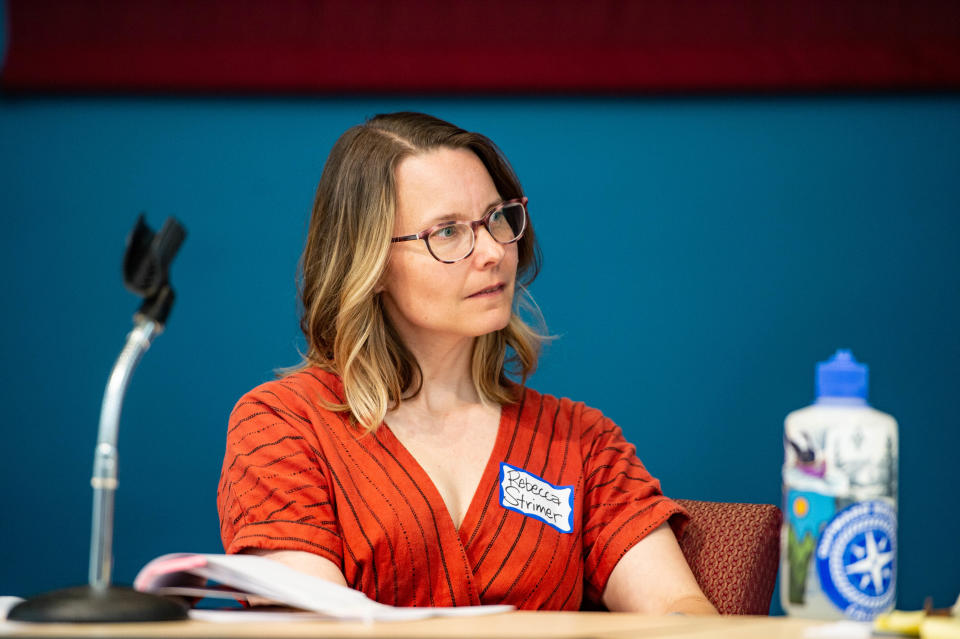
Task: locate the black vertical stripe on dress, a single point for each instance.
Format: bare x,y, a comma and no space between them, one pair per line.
526,564
413,512
488,501
386,534
577,546
573,585
295,391
586,430
503,516
399,518
575,518
352,475
433,516
446,572
506,558
356,517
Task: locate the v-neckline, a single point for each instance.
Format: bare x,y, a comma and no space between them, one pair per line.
490,473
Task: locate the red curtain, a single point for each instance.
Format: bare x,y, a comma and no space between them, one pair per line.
488,46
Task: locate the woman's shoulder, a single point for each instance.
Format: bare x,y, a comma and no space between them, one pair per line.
535,404
300,392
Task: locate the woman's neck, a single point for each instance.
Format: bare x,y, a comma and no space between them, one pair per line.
447,382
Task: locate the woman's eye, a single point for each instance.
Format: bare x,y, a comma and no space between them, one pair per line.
447,233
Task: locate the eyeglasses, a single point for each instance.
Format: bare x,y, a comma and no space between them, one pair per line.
451,242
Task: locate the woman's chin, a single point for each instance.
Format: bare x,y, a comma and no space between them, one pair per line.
496,325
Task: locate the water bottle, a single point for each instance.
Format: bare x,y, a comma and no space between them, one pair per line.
838,554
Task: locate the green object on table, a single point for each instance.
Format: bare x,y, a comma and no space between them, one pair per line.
798,557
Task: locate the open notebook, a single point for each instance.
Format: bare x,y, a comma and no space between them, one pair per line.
240,576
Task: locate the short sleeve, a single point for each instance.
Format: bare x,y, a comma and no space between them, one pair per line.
273,492
622,501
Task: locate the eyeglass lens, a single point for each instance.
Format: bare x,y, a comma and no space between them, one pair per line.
455,241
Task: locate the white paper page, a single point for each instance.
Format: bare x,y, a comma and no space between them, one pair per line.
278,582
6,603
468,611
391,614
208,593
243,616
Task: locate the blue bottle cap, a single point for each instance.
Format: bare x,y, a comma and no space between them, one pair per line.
842,376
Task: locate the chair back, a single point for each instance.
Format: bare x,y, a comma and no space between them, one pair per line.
733,551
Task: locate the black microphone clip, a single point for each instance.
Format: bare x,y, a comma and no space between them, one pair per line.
146,266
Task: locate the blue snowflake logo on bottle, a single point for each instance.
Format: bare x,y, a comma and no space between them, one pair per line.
856,559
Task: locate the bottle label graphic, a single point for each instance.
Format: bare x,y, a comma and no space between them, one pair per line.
856,559
807,514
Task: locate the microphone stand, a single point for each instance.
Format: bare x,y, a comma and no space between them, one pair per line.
104,480
146,264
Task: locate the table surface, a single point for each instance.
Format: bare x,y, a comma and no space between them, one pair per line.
528,625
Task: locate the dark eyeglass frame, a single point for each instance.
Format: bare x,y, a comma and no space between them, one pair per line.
474,225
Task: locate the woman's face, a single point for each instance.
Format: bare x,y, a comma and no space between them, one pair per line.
428,300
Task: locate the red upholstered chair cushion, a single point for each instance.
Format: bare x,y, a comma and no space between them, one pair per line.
733,551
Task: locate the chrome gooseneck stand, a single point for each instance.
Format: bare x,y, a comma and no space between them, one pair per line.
104,480
145,268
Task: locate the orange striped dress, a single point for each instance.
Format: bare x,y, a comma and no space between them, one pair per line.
562,498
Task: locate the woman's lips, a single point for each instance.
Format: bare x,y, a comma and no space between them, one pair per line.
490,291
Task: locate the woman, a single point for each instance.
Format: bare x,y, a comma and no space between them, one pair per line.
401,460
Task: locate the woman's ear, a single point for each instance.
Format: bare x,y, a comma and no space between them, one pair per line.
381,284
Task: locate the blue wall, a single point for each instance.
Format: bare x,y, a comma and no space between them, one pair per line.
700,256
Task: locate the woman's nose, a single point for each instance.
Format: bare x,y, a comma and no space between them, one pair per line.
487,250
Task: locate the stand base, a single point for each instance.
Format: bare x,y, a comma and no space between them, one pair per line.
84,604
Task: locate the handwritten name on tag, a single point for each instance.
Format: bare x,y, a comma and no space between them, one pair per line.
533,496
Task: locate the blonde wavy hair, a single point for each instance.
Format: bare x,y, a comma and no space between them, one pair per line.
348,243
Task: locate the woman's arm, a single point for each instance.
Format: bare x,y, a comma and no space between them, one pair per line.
653,577
306,562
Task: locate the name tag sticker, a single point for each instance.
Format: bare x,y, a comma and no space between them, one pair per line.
535,497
